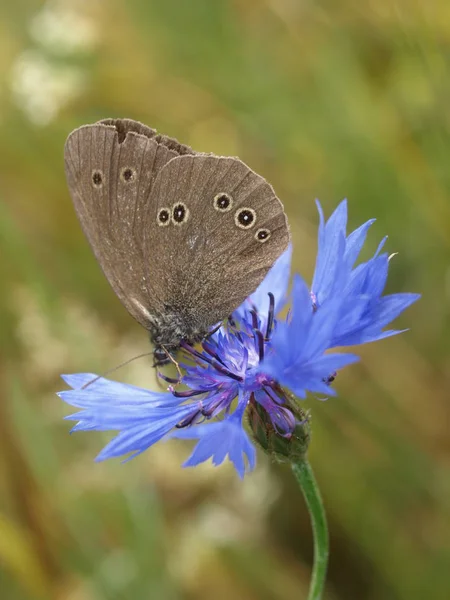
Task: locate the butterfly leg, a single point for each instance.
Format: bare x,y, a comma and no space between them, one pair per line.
177,366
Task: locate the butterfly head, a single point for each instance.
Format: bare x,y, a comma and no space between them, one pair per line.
161,357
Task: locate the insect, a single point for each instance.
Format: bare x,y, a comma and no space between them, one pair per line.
183,237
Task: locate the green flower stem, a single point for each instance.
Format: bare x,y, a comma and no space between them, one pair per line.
307,482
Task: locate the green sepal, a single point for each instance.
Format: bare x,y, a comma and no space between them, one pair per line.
280,448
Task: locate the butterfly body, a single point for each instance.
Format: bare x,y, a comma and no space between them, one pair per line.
169,329
182,237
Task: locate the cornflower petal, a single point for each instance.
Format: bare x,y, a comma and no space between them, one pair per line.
297,356
363,312
142,417
276,282
92,382
331,248
369,327
221,439
355,242
389,307
101,401
139,437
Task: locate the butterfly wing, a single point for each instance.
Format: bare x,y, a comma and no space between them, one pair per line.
111,167
226,229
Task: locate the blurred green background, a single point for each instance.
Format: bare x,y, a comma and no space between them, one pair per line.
325,99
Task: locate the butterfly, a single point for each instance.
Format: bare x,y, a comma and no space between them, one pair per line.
183,237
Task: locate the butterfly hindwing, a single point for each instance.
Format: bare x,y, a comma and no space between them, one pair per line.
111,167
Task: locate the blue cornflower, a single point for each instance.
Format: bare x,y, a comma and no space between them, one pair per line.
363,312
255,362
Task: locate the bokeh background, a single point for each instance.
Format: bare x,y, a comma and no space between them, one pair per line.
325,99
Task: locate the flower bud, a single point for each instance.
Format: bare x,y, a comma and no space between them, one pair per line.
282,447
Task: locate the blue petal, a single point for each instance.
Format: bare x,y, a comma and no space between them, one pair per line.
141,416
357,293
217,440
296,356
118,400
109,400
276,282
351,317
330,250
140,437
391,306
367,336
303,377
310,331
364,312
78,380
380,246
121,417
377,276
355,242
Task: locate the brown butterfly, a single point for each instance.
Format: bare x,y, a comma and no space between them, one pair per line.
183,237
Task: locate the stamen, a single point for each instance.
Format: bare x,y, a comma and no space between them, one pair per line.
190,350
188,420
271,316
165,378
213,330
186,393
232,324
260,341
280,396
254,314
214,403
207,412
213,363
226,372
207,348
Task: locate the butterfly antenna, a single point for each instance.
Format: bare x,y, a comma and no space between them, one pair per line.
177,366
127,362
